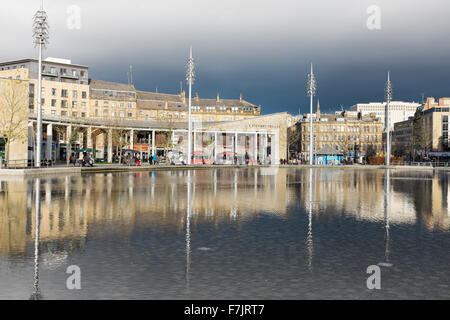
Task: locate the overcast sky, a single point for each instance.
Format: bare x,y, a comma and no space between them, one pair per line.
261,49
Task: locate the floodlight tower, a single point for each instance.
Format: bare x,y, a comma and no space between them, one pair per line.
190,77
388,96
40,37
311,91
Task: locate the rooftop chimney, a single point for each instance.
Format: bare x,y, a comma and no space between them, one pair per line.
218,97
183,95
240,97
196,96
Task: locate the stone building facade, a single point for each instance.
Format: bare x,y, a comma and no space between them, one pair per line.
347,132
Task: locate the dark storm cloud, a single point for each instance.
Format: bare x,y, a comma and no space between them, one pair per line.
260,48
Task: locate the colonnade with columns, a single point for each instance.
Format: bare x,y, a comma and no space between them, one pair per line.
208,146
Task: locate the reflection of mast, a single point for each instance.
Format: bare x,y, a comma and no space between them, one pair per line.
387,199
188,229
36,295
309,239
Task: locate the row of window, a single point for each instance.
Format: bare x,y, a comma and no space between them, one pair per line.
64,113
114,114
114,104
63,72
342,128
222,108
65,93
367,138
337,147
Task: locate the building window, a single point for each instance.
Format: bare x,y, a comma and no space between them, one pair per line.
130,114
82,74
122,105
105,112
53,102
64,93
129,105
153,114
83,95
53,91
74,104
63,113
96,112
113,104
53,112
83,105
122,114
96,103
83,114
63,103
74,114
74,94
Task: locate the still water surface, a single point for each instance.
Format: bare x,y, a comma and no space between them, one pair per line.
227,234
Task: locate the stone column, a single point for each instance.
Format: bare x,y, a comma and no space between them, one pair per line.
215,147
89,138
153,142
68,142
255,155
49,142
276,147
110,146
235,143
132,139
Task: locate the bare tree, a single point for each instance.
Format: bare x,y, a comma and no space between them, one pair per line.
120,136
169,124
13,112
293,139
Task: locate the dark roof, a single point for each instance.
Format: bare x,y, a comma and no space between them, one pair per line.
108,85
221,103
156,96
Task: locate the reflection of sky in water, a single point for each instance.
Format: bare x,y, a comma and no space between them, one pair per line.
247,234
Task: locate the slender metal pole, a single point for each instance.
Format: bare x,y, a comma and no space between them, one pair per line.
39,112
189,126
311,90
311,132
40,36
190,79
388,93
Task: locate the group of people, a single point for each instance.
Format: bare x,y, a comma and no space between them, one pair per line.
86,160
153,159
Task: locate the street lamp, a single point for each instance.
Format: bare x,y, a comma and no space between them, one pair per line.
190,77
388,96
311,91
40,37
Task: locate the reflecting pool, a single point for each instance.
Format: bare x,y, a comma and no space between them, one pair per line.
256,233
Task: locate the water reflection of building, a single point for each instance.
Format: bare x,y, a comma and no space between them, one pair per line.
416,197
116,204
